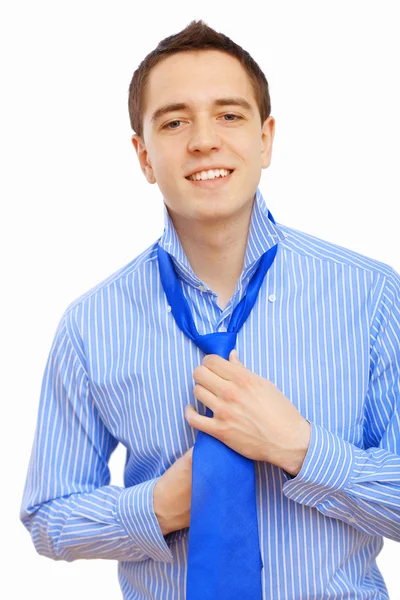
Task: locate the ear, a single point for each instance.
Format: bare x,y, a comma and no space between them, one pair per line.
143,157
267,137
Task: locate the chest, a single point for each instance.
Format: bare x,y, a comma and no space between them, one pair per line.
316,353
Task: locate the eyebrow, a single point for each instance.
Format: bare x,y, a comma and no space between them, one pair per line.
234,101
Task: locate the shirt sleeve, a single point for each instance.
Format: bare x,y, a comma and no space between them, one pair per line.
68,506
361,486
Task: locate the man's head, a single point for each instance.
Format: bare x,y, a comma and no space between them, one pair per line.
200,68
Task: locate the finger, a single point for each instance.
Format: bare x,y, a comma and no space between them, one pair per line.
209,379
199,422
223,368
206,397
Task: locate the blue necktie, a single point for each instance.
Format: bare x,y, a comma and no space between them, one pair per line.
224,559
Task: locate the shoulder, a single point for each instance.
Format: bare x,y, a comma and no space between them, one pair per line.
120,278
313,248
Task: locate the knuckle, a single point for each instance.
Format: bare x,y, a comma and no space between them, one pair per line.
228,393
243,380
223,413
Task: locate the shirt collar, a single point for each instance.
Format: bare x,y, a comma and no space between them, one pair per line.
263,234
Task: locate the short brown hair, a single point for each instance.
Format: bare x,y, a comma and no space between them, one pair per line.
196,36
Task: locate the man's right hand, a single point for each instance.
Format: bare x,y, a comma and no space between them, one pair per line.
172,495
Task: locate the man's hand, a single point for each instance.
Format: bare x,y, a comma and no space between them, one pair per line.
251,415
172,495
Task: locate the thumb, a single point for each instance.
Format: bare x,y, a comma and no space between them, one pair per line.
234,356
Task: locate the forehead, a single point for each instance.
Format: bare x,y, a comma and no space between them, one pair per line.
196,77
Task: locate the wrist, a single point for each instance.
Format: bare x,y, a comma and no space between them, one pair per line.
168,522
158,508
295,459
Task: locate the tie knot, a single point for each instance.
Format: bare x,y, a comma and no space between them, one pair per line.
221,343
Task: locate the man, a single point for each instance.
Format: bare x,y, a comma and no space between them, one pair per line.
313,400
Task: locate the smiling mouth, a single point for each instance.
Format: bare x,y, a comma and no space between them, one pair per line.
217,178
212,181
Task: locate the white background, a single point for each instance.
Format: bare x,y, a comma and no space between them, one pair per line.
76,207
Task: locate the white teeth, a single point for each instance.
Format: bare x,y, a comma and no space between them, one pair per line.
209,174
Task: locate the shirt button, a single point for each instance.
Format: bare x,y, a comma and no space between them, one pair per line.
222,329
202,288
169,309
272,297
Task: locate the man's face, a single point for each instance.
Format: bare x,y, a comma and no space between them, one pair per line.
203,135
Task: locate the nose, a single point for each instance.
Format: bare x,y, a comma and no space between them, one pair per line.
204,136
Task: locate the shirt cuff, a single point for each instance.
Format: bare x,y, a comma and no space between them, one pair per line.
136,513
327,468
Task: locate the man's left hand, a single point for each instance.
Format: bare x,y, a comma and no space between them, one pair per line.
251,415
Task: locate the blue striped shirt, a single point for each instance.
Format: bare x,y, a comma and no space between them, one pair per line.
325,329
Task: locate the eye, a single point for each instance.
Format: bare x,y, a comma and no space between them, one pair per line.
235,116
167,126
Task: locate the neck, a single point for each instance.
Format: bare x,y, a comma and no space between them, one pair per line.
216,249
